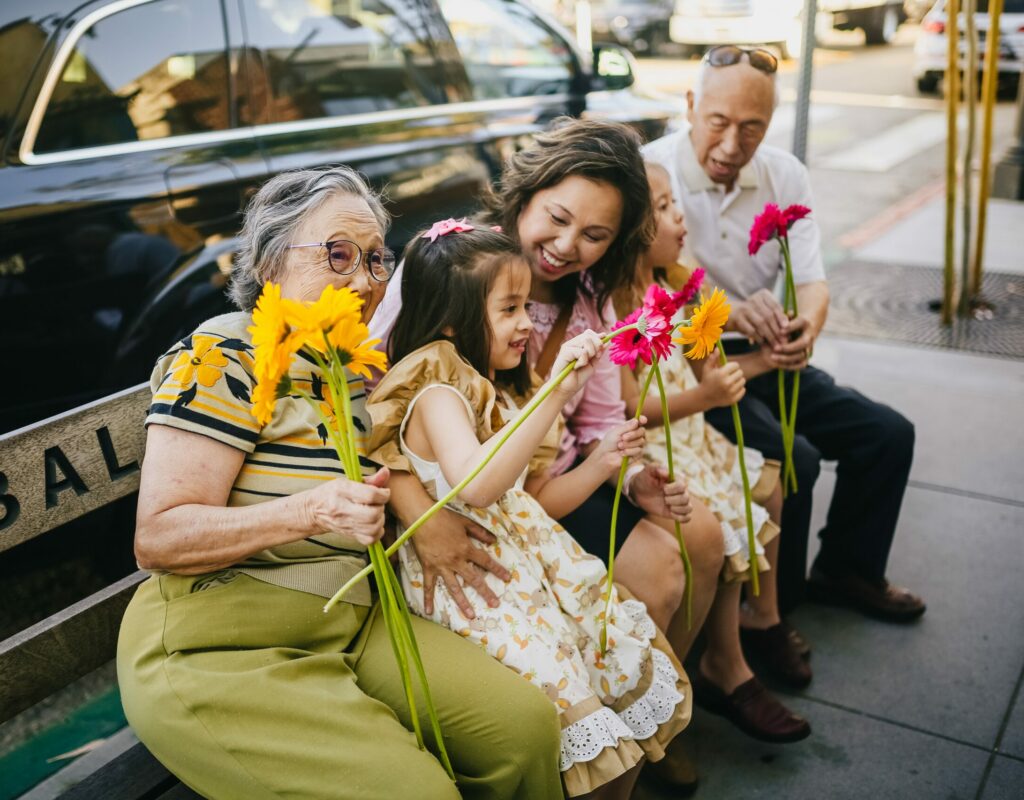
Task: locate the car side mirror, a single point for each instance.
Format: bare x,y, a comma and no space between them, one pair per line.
613,67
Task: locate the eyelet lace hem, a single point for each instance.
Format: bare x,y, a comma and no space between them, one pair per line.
584,739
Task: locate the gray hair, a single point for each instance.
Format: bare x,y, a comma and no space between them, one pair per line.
702,76
274,214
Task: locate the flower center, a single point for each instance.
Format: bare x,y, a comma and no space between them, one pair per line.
196,360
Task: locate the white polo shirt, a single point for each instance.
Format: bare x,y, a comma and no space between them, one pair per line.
718,221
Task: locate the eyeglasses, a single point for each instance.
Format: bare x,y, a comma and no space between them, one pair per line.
345,257
728,54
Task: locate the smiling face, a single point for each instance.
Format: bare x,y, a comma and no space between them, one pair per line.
730,120
671,232
307,270
507,319
566,228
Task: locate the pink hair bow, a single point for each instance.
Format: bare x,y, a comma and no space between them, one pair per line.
446,226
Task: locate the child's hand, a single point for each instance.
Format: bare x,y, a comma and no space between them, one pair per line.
623,441
584,350
652,491
722,385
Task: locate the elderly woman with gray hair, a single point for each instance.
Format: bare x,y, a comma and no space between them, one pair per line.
230,672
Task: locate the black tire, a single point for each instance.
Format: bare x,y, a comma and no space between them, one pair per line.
881,29
928,83
657,40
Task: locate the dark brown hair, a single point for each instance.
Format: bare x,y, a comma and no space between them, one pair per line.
606,152
444,286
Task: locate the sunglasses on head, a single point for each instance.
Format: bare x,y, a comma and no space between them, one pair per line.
728,54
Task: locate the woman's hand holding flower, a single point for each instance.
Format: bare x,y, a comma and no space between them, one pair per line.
350,508
655,494
623,441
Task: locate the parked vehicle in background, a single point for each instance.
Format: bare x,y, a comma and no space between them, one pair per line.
930,51
879,19
133,132
640,25
700,24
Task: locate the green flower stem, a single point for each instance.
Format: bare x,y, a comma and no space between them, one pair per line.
417,662
530,407
787,419
687,566
393,608
751,544
615,518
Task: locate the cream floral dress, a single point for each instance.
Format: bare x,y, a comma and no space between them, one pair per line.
614,709
710,464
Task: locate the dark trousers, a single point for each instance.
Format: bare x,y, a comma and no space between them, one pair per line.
873,446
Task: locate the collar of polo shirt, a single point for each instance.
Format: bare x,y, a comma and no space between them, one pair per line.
694,176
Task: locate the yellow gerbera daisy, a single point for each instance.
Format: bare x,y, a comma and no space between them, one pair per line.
355,348
203,363
274,350
705,328
310,321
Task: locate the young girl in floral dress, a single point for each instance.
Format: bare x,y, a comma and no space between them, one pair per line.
459,378
710,465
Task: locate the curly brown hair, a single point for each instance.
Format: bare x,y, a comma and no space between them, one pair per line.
606,152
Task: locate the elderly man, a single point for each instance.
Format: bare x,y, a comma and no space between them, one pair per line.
722,176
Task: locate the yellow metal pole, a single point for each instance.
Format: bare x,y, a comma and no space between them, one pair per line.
952,86
989,83
970,92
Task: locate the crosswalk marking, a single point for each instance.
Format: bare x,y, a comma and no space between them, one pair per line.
784,120
891,147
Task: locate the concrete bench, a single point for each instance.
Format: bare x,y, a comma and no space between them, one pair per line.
52,472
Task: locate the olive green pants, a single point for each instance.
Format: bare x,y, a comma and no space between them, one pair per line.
246,690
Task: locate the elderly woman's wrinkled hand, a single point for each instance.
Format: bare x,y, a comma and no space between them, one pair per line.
350,508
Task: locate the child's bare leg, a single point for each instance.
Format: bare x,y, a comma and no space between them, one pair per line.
762,611
723,662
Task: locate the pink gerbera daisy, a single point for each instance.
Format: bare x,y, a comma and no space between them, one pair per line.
767,225
690,289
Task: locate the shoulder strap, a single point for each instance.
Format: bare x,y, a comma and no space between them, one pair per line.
554,341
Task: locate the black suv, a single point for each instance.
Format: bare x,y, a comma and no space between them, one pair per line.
133,131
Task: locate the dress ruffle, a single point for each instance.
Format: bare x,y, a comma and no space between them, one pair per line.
610,741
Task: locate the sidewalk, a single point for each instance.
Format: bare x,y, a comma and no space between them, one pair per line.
934,709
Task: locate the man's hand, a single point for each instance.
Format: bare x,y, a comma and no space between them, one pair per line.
760,318
652,491
794,355
445,550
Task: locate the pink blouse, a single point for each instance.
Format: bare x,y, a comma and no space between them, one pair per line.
599,407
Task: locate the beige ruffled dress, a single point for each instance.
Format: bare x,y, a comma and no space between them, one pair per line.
616,708
710,464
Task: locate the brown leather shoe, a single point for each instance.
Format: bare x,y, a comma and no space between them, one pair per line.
880,600
675,773
752,709
777,649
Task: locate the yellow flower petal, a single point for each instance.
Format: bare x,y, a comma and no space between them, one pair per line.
706,324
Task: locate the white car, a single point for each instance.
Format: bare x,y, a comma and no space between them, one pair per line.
930,55
705,23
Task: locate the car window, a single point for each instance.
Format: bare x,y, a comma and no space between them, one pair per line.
328,59
150,71
506,51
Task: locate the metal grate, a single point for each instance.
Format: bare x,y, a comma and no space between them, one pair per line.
895,303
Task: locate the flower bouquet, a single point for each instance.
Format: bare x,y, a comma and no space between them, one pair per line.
330,332
774,223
